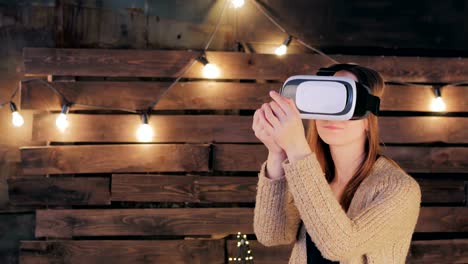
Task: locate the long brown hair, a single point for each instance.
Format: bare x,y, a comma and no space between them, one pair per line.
375,82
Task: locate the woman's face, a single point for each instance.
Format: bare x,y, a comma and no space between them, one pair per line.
338,133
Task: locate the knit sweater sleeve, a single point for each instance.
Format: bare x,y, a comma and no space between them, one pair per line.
392,214
276,219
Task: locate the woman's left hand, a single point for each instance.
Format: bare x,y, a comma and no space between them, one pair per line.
287,128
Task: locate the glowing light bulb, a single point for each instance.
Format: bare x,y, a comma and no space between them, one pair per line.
237,3
145,131
281,50
211,70
438,104
61,122
17,119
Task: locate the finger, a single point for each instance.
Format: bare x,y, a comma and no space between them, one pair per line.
277,110
282,102
255,119
265,123
270,116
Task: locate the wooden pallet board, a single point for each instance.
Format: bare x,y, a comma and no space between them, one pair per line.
196,221
114,158
59,191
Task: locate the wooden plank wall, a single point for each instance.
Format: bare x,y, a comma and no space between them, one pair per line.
100,195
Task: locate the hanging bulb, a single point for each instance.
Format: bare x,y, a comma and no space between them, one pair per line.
281,50
237,3
62,122
438,104
145,131
210,70
16,117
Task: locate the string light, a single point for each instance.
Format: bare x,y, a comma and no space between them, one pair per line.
438,104
16,117
281,50
237,3
62,121
210,70
144,131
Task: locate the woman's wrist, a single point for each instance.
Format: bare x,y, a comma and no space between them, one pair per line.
274,168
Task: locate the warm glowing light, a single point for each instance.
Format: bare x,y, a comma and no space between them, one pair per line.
210,70
145,133
237,3
281,50
62,122
438,104
17,119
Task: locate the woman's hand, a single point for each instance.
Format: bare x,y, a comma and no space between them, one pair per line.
261,127
286,127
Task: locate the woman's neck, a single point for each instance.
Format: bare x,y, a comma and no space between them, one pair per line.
347,159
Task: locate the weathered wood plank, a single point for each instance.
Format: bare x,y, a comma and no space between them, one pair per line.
431,251
122,251
167,128
438,251
59,191
228,128
196,221
105,62
114,158
443,219
139,95
236,65
143,222
231,157
204,95
169,188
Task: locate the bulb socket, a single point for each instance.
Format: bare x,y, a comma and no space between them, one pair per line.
13,107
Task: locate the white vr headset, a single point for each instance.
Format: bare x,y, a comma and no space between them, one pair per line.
324,96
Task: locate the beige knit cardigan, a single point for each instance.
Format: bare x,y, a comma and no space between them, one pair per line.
377,228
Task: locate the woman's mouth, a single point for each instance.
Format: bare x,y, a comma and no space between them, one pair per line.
333,127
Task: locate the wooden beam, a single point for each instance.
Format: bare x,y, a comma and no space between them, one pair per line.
203,95
438,251
233,65
196,221
143,222
170,188
228,128
122,251
231,157
59,191
114,158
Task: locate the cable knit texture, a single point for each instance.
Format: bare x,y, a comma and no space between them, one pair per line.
377,228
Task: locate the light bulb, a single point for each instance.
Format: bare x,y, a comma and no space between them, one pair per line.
237,3
61,122
281,50
211,70
438,104
144,131
17,119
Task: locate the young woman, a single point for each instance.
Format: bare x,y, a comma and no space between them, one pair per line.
330,190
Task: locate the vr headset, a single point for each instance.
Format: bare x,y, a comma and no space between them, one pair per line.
324,96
